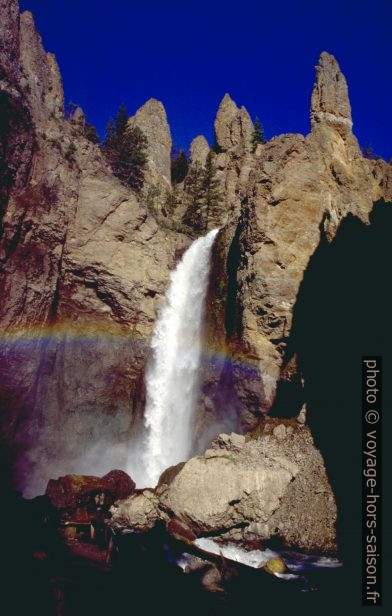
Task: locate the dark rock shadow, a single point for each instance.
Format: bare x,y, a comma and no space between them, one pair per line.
340,315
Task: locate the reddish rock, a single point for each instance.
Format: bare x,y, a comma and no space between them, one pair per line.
180,531
119,483
71,491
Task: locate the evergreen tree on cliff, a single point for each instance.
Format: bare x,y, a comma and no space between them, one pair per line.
212,201
179,167
125,148
258,134
75,115
193,188
90,132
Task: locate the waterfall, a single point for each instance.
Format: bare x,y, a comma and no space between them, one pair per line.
172,378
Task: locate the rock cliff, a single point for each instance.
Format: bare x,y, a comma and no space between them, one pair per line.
199,150
152,121
281,203
84,262
233,127
17,143
84,267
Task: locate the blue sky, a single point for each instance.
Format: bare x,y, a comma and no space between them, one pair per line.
188,54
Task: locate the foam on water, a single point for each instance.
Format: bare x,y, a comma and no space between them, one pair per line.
252,558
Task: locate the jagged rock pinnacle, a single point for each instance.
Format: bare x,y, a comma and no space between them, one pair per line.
199,150
233,126
330,103
152,120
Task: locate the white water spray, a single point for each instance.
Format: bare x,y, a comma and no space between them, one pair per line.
172,377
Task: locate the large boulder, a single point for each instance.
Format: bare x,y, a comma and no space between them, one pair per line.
140,511
273,485
221,491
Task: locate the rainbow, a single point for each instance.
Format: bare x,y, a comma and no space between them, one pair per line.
91,331
82,330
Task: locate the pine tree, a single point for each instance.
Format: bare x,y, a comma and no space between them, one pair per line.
80,122
90,132
121,120
193,188
179,166
258,134
368,152
70,110
203,195
212,197
125,149
171,201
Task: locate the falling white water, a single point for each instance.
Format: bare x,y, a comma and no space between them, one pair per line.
172,377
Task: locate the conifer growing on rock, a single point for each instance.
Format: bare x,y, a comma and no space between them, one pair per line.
90,132
193,187
75,115
258,134
203,196
179,166
125,149
212,197
171,201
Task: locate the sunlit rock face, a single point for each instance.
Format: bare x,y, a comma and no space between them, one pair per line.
84,269
152,121
85,265
233,127
282,201
330,102
199,150
273,485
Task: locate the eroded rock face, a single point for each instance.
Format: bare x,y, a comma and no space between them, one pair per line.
84,268
17,136
199,150
282,202
151,119
233,126
40,76
9,40
330,102
84,265
273,485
